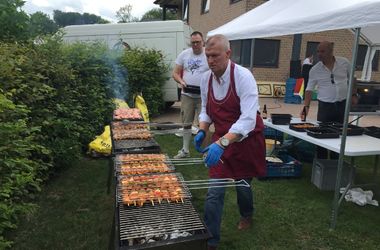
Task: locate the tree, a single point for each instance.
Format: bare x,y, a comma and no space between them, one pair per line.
156,14
41,24
92,19
124,14
63,19
14,21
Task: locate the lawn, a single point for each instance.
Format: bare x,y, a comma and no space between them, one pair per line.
75,211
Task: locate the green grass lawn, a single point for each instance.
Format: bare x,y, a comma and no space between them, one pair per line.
75,211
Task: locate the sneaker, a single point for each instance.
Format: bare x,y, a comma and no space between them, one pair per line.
194,130
182,154
180,134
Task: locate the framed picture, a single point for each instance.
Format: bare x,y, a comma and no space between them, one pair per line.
278,90
265,89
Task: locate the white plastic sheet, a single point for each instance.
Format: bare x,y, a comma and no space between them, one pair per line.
359,196
286,17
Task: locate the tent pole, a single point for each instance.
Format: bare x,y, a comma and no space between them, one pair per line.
334,213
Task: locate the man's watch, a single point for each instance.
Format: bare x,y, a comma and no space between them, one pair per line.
224,142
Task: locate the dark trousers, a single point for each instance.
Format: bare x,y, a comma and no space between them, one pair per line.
330,112
214,207
305,75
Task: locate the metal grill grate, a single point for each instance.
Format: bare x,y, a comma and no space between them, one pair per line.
143,167
136,146
161,222
144,190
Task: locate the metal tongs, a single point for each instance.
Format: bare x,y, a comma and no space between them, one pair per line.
215,183
185,161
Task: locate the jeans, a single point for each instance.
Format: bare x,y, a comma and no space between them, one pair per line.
214,207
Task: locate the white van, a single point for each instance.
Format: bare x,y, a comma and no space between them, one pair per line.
170,37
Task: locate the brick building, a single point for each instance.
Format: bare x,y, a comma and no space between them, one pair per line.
268,58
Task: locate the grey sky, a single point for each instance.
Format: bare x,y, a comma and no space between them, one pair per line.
106,9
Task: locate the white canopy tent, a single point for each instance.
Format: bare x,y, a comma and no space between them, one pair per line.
286,17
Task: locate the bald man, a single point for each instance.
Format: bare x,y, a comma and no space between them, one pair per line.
331,75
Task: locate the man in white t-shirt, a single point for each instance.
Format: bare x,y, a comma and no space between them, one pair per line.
190,65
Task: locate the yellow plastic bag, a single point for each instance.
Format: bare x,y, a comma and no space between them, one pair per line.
120,103
140,104
102,143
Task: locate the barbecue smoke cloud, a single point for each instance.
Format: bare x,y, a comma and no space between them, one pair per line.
118,81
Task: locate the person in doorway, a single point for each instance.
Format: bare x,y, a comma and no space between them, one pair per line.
331,75
306,66
230,101
190,65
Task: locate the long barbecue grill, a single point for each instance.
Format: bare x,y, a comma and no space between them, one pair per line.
150,214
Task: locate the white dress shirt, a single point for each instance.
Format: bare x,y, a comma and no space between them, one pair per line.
322,77
246,89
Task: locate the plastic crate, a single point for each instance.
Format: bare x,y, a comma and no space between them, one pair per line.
270,133
324,172
289,168
295,99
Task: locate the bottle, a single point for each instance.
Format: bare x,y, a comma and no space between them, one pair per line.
303,114
264,115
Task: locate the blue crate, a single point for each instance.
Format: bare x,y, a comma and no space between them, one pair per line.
289,168
295,99
270,133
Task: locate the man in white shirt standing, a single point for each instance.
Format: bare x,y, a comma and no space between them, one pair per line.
230,101
331,75
190,65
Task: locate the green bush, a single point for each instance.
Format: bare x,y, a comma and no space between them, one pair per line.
90,92
54,102
146,75
18,181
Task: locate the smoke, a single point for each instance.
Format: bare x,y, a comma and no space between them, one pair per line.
118,80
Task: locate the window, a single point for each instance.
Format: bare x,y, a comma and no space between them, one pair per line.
234,1
266,53
241,52
362,51
186,11
205,6
311,49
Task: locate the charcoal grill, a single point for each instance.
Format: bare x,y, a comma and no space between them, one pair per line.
168,226
126,125
165,187
136,167
135,146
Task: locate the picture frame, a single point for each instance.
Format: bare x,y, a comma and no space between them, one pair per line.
265,89
279,90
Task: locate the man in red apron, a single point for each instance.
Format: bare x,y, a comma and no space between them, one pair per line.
229,101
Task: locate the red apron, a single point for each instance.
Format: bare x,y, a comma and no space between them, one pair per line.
243,159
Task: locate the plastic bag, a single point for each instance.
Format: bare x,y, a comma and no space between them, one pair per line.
102,144
140,104
120,103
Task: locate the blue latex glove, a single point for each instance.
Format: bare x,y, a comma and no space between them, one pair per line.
214,152
198,139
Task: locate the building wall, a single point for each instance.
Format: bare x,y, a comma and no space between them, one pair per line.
221,12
